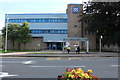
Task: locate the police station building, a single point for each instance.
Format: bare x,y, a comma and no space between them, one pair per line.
52,31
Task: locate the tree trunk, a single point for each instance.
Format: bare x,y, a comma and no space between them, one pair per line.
24,46
13,45
18,46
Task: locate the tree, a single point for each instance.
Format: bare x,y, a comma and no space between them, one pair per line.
12,32
1,43
18,33
24,34
104,19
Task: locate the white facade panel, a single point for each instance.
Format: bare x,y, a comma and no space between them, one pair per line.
48,25
32,16
51,37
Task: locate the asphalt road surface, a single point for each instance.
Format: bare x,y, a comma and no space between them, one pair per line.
51,67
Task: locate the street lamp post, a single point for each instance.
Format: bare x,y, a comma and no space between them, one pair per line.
6,34
101,43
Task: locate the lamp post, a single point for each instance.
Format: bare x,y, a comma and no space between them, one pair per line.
101,43
6,34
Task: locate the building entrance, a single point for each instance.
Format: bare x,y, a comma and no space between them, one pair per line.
54,46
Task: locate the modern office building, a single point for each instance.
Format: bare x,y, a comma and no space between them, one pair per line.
49,30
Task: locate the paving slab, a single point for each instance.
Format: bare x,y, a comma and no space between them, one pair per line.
59,54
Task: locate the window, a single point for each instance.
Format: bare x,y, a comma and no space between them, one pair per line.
75,35
75,25
60,20
48,31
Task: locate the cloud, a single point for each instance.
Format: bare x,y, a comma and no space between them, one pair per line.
47,1
1,25
6,1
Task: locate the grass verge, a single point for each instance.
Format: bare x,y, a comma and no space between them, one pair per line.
3,51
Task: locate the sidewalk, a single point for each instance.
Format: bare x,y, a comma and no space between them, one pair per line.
59,54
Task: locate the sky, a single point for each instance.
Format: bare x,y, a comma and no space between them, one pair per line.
33,6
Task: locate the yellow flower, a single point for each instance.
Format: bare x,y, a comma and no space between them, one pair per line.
69,75
80,70
89,70
86,75
77,72
72,76
82,74
73,71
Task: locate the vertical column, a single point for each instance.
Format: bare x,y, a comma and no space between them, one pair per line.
6,34
87,46
100,43
63,46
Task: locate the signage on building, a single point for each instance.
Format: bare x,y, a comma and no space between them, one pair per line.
75,9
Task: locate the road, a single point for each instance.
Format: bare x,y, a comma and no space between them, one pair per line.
51,67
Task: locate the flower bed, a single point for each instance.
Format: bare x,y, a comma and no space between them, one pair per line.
77,74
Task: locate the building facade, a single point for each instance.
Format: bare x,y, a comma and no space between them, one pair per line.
77,29
49,30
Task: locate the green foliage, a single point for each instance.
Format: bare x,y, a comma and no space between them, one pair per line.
12,32
1,43
24,34
104,19
18,33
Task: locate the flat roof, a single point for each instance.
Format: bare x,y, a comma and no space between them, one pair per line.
38,14
74,4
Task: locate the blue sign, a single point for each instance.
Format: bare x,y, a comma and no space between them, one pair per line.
75,9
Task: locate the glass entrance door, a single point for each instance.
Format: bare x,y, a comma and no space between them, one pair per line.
54,46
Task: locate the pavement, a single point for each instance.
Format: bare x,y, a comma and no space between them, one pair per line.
49,53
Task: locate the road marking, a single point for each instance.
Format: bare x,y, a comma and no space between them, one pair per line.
52,58
74,58
28,62
115,65
14,57
10,62
1,65
56,66
5,74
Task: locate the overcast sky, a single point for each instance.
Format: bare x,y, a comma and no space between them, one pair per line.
33,6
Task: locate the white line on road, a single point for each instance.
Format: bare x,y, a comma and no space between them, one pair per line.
24,62
5,74
10,61
115,65
29,62
56,66
1,65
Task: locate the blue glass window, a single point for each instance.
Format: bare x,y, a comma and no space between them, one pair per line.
48,31
60,20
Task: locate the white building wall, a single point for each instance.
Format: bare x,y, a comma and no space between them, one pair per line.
33,15
48,26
